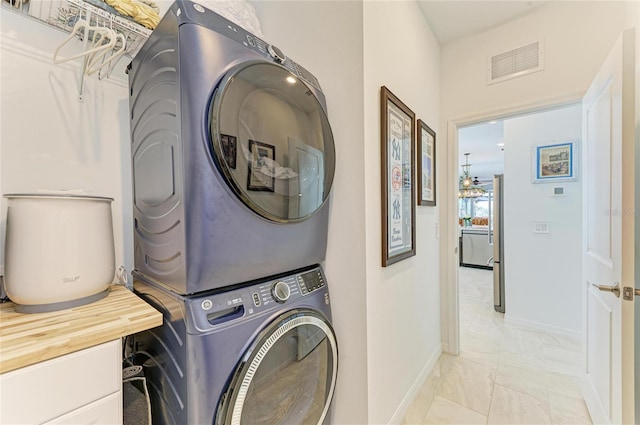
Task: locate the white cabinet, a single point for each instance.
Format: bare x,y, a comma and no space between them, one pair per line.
106,411
78,388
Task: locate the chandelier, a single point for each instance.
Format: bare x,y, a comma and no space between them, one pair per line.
469,188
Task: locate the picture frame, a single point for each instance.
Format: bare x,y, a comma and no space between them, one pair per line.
229,146
397,137
261,175
554,162
426,177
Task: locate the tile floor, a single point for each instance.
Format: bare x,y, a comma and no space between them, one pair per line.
504,374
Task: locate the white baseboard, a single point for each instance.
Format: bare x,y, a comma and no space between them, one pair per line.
539,326
411,395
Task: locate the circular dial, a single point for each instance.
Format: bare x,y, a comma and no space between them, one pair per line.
280,291
276,54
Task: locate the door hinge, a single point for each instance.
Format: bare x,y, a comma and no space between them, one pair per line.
629,293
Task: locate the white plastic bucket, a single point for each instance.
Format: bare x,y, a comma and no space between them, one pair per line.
59,251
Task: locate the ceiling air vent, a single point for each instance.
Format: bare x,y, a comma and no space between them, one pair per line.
520,61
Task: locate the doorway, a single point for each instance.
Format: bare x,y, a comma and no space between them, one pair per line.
480,159
531,259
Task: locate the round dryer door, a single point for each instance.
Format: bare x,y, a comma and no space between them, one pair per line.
271,140
287,376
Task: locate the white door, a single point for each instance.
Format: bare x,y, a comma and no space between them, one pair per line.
608,173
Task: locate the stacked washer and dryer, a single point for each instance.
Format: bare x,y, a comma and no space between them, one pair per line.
233,160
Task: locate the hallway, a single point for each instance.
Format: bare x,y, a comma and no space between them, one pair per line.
504,374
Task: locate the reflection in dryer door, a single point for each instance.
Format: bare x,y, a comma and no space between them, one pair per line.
306,190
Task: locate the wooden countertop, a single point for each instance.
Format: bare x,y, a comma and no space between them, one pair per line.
26,339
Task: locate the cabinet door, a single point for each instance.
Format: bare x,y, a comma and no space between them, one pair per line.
106,411
47,390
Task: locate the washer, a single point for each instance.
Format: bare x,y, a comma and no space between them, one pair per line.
232,153
262,354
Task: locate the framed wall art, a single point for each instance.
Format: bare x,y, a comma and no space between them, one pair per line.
261,166
426,165
397,125
229,149
551,163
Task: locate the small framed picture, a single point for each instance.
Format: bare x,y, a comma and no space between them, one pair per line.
426,165
551,163
261,174
229,149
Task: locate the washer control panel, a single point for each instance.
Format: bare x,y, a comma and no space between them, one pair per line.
288,288
310,281
222,308
276,291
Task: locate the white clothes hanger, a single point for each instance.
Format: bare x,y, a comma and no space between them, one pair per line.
92,64
103,38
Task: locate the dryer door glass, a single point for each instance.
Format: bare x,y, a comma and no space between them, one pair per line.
287,376
271,140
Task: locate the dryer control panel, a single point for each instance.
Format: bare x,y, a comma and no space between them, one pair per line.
192,12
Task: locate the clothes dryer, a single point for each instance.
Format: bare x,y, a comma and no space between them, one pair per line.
232,153
261,354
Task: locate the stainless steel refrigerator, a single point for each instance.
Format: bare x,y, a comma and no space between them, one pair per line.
498,242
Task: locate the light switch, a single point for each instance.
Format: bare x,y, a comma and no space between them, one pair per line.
540,227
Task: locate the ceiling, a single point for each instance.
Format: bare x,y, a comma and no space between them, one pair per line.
451,19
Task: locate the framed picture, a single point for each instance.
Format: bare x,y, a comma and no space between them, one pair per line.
426,165
551,163
261,166
398,159
229,149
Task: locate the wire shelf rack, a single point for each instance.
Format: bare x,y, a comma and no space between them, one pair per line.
63,14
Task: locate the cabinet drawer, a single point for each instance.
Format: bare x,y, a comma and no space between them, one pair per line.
106,411
46,390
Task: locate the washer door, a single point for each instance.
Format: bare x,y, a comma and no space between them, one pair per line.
287,376
271,140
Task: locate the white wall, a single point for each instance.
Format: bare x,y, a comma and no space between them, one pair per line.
577,38
326,38
403,305
50,140
542,271
388,323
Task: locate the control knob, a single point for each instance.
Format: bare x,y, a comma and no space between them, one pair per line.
277,54
280,291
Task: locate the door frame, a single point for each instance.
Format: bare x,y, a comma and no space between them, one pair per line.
449,297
